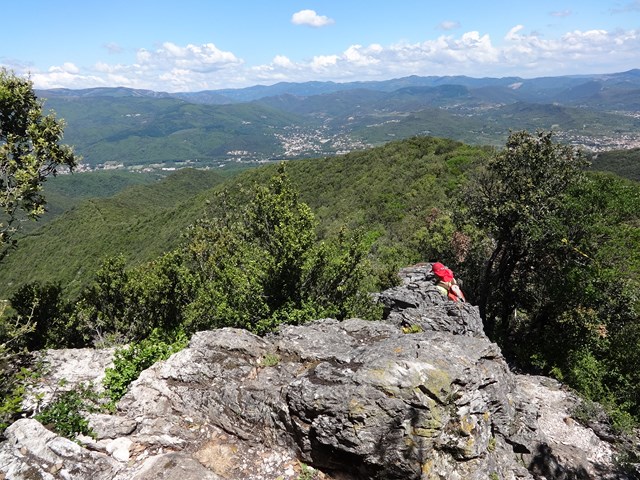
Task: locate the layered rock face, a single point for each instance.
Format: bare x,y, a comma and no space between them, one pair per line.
354,400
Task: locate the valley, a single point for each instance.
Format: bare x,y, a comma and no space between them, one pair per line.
144,131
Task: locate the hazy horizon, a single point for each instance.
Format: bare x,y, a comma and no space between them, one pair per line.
191,45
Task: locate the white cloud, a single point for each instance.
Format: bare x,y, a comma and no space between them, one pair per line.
202,58
311,18
362,57
513,33
562,13
322,62
104,67
172,67
59,77
66,67
282,61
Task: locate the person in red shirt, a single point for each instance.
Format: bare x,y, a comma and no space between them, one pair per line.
447,284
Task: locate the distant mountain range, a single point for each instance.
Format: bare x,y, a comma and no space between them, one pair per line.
547,89
136,128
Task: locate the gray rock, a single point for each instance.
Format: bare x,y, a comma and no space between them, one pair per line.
64,370
110,426
417,302
120,449
33,452
355,399
173,466
398,402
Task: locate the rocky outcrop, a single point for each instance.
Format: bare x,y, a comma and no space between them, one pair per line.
417,302
354,399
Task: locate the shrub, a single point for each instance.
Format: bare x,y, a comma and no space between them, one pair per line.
65,415
14,386
130,361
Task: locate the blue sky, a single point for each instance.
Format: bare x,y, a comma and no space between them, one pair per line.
193,45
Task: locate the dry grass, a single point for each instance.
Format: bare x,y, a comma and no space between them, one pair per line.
217,457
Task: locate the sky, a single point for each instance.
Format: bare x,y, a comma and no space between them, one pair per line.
195,45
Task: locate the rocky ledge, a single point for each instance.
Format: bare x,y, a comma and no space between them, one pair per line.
421,395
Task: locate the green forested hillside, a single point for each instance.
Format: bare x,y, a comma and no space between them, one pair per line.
490,124
140,222
96,184
65,191
625,163
388,190
131,127
139,130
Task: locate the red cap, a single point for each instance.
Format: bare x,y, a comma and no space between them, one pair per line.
442,272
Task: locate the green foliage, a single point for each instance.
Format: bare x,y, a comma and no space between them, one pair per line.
516,201
30,151
586,374
491,446
103,305
270,360
463,247
99,183
584,325
283,228
228,287
65,192
361,190
589,412
627,461
15,376
14,385
560,282
43,315
130,361
306,472
123,305
412,329
258,264
434,238
255,265
621,162
65,414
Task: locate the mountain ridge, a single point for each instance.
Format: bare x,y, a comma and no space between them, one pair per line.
308,88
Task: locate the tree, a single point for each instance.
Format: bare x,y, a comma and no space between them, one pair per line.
283,227
41,313
585,327
30,151
516,200
258,264
123,305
